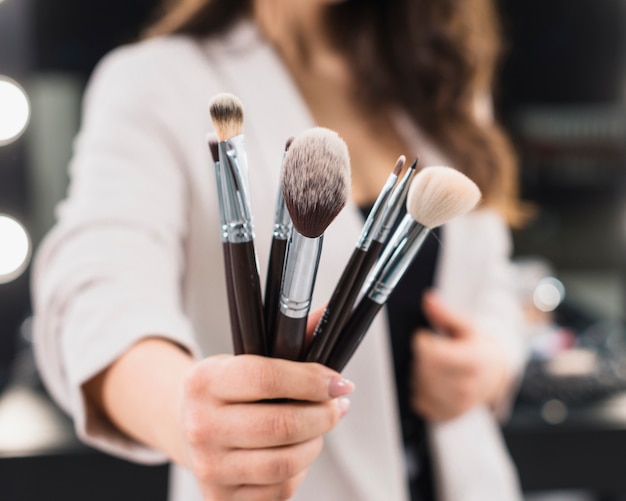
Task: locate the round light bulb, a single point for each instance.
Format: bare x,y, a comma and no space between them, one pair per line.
15,249
14,110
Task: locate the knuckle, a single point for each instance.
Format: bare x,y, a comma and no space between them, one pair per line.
286,425
265,377
194,383
283,468
193,428
203,468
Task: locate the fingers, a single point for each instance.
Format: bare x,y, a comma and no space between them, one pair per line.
264,425
253,425
250,378
445,319
268,466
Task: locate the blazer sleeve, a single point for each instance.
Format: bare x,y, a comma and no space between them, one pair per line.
110,271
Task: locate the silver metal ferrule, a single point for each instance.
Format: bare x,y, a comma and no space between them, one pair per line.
282,219
220,201
397,199
237,225
375,217
301,263
394,268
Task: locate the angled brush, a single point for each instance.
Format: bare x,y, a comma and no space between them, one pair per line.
363,257
437,195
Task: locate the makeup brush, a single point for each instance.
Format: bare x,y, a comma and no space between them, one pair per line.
234,321
238,233
363,257
278,249
316,186
436,195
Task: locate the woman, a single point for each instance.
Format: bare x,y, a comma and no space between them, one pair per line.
131,330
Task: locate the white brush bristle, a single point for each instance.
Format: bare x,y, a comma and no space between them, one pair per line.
316,179
439,194
227,115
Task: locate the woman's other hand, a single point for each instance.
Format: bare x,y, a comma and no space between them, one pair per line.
455,368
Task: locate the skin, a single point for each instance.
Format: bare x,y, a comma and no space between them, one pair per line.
213,415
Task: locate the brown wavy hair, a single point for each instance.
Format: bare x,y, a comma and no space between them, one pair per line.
432,58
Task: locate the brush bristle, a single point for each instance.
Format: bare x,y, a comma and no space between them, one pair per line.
211,139
288,143
438,194
227,114
316,180
399,164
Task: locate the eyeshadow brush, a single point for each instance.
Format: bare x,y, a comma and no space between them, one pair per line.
240,261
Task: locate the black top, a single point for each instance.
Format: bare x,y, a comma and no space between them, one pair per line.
405,316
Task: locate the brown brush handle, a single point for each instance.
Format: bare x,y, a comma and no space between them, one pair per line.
247,295
353,333
340,306
235,329
333,311
290,337
272,286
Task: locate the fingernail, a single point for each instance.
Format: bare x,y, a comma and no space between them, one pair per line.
344,405
339,387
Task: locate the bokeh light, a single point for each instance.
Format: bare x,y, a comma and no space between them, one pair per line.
14,110
15,249
548,294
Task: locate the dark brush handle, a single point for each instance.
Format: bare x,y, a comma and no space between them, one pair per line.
353,333
247,295
272,286
235,329
341,303
290,337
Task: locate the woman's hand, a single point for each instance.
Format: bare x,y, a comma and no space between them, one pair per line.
455,368
250,426
241,445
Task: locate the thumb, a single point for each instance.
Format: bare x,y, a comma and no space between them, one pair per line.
314,318
444,319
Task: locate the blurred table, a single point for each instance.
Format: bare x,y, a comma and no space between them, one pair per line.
41,458
555,447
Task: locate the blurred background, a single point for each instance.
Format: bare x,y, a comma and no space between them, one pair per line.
561,95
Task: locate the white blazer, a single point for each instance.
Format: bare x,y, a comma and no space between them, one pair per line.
136,252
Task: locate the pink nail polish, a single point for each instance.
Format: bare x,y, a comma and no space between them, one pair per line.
339,387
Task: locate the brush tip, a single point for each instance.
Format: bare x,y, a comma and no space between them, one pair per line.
288,143
227,115
316,180
399,165
439,194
